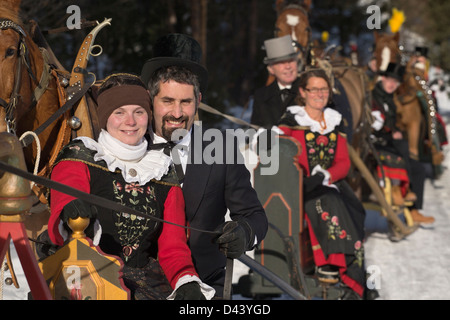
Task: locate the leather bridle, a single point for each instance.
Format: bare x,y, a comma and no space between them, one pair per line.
23,60
14,98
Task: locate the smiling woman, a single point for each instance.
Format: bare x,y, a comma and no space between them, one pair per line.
124,111
118,167
334,216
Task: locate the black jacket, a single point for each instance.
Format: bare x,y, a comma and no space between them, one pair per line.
268,106
209,191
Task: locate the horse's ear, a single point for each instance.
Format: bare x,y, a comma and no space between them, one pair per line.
397,36
307,4
279,6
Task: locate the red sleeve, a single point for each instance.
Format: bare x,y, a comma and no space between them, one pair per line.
287,131
174,254
341,163
74,174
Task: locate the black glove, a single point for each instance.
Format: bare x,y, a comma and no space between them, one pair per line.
44,246
78,208
312,182
189,291
235,238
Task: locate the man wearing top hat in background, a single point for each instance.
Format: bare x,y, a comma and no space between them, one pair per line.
176,81
390,139
270,102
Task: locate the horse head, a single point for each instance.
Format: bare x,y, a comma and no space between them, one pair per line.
386,49
10,34
28,91
293,20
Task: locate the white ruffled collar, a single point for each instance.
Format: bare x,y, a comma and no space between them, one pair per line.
332,119
136,163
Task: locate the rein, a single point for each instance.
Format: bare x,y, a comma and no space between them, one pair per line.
90,198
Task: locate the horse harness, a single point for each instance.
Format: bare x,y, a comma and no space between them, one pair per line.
23,59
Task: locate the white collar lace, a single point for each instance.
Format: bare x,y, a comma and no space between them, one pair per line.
136,162
332,119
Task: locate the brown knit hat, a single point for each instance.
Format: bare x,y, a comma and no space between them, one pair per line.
119,94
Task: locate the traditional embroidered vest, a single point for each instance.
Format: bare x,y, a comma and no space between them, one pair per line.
132,238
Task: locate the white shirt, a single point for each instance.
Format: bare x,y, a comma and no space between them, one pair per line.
182,147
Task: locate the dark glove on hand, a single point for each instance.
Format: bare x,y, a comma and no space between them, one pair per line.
312,182
189,291
235,238
78,208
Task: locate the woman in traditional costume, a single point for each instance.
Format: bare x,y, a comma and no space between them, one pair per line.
335,217
117,166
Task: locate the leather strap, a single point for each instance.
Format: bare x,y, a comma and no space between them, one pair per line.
90,79
228,279
90,198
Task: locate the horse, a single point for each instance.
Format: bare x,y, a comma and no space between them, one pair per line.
417,116
293,20
33,87
30,90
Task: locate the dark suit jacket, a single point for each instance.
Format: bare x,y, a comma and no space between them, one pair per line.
209,190
268,106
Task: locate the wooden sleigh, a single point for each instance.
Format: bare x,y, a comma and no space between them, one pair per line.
81,271
286,249
78,270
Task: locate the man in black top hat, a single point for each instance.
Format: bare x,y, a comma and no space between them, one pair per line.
393,147
176,82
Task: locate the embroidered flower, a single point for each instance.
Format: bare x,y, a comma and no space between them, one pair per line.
335,220
359,254
134,188
322,140
310,136
311,151
77,148
343,234
331,151
325,215
333,136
